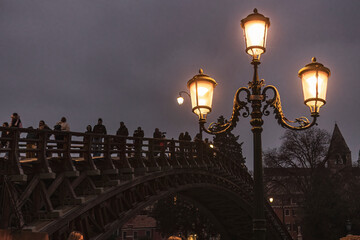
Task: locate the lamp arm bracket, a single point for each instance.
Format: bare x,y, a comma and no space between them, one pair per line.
216,128
275,102
184,93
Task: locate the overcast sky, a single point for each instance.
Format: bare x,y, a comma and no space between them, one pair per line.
126,60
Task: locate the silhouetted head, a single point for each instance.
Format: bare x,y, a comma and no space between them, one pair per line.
5,124
14,116
100,121
88,128
121,124
63,119
75,235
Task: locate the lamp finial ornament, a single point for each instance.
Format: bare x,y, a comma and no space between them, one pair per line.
201,71
255,10
313,59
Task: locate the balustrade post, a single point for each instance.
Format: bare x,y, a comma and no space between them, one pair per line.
138,147
46,171
107,153
191,154
173,158
163,146
13,159
87,152
69,166
151,150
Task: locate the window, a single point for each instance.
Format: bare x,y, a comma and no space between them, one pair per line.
135,235
148,234
287,212
294,212
124,235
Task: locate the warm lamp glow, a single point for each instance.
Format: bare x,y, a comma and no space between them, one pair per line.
201,89
271,200
314,78
180,100
255,28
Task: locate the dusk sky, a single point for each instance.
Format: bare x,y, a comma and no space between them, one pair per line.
126,60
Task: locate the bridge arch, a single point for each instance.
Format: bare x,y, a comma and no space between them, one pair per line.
58,194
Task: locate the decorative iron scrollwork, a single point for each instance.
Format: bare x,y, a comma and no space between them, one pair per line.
239,105
275,103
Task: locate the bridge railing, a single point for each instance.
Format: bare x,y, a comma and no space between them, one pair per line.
27,151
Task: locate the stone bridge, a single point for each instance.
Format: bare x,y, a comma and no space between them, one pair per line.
57,186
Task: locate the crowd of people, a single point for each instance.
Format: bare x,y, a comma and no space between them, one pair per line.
98,130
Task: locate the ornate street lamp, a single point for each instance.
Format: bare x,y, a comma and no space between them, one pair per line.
314,78
255,31
201,89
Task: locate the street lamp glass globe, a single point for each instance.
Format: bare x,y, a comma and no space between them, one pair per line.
255,28
314,77
201,88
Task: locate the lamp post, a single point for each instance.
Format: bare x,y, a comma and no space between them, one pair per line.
314,78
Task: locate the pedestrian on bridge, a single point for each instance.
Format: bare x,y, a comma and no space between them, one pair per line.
122,133
64,124
181,142
31,135
88,129
187,139
44,127
138,135
61,126
15,121
157,136
4,134
98,129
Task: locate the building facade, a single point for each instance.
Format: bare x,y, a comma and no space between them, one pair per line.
140,227
287,203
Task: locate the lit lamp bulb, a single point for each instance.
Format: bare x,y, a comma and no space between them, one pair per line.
255,28
180,100
314,77
271,200
201,88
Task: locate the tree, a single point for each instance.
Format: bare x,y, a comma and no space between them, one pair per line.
175,216
227,142
299,156
328,198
